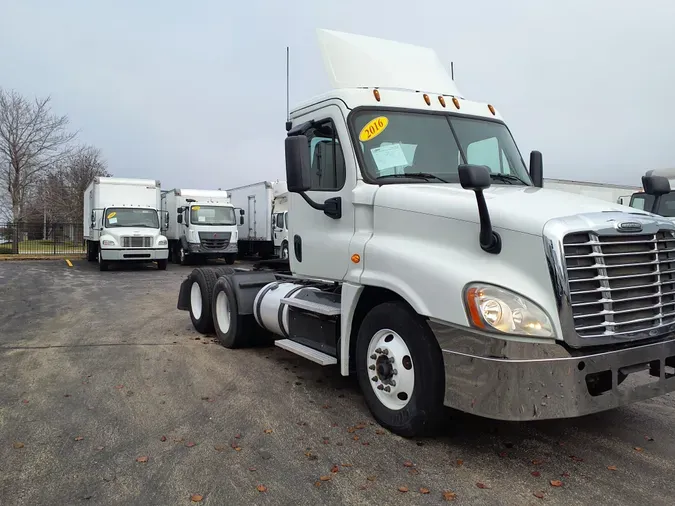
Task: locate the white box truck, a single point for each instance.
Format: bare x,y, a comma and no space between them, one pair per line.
122,222
255,233
202,225
427,259
280,219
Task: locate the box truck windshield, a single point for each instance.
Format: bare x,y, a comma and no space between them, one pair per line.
212,215
125,217
431,146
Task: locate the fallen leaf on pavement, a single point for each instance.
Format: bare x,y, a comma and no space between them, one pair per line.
576,459
334,469
317,484
79,438
237,436
196,498
325,478
252,469
649,438
371,478
261,488
536,474
355,438
100,448
25,401
360,426
142,459
460,462
162,439
403,489
424,490
379,432
537,462
638,449
556,483
611,468
237,448
538,495
268,431
219,448
407,463
482,485
18,445
449,496
118,387
190,444
414,471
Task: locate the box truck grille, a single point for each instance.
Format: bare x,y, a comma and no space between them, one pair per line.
217,240
137,242
621,284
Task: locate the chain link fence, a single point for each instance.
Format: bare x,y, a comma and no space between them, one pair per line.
40,238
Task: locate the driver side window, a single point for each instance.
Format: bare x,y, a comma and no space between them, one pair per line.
487,152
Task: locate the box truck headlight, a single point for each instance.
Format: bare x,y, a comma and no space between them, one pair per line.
107,242
493,308
162,242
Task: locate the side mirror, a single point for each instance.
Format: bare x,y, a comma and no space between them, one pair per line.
537,169
179,218
656,186
241,212
298,167
179,210
166,220
477,178
241,219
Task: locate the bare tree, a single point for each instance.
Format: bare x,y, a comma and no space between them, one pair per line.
33,141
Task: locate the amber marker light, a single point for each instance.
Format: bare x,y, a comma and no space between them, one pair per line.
376,94
427,99
442,101
473,296
492,109
456,102
356,258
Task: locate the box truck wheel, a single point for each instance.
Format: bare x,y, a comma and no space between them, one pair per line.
102,264
233,330
162,264
201,292
399,366
230,258
182,256
92,251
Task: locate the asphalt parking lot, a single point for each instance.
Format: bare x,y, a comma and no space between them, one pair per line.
108,396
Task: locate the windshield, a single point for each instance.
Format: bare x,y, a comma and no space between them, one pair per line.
644,202
129,217
212,215
395,143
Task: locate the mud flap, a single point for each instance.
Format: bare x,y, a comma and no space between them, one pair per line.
184,294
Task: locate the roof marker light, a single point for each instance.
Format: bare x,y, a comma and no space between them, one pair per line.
456,102
441,100
376,94
492,109
427,99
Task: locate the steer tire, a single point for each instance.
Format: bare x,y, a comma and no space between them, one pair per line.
201,293
234,330
423,411
162,264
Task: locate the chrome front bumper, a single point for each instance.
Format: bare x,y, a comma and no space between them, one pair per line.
508,380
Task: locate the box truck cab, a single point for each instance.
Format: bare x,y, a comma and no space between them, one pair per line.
280,220
427,259
203,225
122,222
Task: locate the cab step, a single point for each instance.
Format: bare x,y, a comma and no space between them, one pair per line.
314,307
305,352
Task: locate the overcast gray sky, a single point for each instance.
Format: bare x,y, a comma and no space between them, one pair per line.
193,93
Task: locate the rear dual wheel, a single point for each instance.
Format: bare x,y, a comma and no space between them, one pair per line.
203,280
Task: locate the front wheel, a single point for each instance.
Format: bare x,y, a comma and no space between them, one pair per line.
102,264
399,366
230,258
162,264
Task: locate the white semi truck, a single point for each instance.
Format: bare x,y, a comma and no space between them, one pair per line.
280,220
604,191
202,225
426,259
256,237
665,204
122,222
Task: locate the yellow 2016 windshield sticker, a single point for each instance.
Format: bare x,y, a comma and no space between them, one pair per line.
373,128
112,215
195,208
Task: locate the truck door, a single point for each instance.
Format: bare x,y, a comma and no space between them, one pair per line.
322,242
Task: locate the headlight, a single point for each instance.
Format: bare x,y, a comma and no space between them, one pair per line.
106,242
162,242
493,308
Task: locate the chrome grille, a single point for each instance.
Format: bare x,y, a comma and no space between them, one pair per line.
216,241
621,284
137,242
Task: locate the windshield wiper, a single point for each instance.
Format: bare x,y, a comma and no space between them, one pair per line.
140,225
506,177
416,175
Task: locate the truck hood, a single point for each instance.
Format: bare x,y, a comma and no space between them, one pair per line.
518,208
